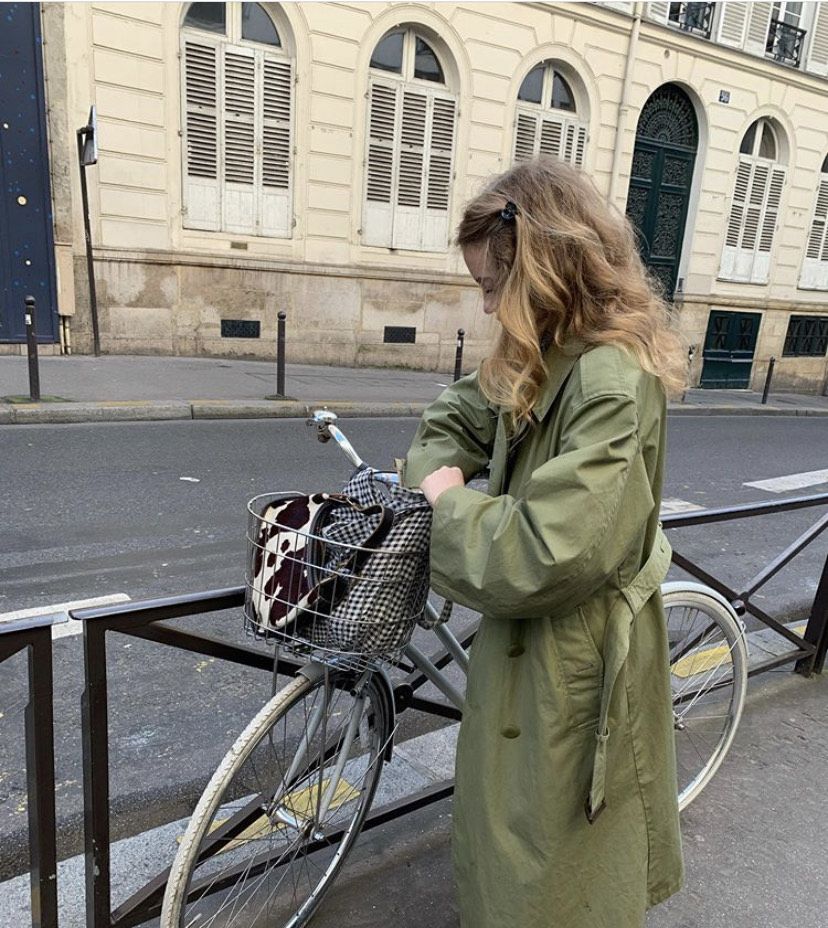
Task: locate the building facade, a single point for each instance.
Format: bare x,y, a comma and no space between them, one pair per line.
315,157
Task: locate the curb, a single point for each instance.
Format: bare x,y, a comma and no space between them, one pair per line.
140,411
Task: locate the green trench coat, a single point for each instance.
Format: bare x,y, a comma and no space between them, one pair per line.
552,557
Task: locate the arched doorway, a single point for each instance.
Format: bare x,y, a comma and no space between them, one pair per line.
662,170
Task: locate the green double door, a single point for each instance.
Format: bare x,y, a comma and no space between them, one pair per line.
729,347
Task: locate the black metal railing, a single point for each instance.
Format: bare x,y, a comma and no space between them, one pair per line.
146,620
809,650
784,43
34,636
692,17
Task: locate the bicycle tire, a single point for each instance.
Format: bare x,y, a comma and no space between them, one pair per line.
219,907
708,651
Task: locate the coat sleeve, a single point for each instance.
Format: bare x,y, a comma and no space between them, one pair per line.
580,514
456,430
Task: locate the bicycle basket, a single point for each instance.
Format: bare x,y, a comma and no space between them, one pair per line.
339,574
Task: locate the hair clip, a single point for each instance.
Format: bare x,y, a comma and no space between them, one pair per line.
508,213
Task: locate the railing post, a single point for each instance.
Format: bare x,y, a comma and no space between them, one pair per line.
768,379
31,345
280,354
95,731
40,776
458,355
816,631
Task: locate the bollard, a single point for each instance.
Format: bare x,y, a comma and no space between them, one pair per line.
458,356
768,380
280,354
31,344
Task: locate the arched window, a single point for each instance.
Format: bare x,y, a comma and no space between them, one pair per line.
237,83
754,208
412,115
814,274
547,119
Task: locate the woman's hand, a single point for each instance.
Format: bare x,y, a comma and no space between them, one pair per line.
441,479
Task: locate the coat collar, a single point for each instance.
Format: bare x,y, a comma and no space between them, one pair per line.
559,362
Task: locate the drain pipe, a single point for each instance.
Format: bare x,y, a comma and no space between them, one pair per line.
624,105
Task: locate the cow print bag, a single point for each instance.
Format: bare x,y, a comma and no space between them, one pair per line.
341,572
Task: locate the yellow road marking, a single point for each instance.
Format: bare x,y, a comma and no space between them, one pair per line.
707,659
301,804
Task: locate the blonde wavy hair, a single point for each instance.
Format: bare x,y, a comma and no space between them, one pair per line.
566,266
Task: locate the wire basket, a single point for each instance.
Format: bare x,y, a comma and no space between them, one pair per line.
318,596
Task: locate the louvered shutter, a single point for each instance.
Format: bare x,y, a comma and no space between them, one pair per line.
378,212
814,275
817,59
202,133
767,228
753,215
438,178
732,23
526,131
276,145
658,11
758,26
541,134
240,140
409,201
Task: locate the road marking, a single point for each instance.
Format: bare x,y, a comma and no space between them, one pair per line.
698,662
809,478
64,627
678,505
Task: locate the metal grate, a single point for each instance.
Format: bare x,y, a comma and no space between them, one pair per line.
240,328
400,334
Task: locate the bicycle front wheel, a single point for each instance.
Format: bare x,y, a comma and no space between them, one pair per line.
283,809
708,673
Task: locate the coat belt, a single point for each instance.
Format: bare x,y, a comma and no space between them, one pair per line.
616,648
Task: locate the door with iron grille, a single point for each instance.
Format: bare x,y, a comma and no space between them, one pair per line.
728,349
662,171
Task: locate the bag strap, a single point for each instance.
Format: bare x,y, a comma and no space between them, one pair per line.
616,648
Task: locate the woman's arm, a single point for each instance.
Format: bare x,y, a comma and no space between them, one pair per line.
547,552
456,430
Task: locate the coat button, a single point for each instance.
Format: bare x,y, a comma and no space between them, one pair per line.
516,650
510,731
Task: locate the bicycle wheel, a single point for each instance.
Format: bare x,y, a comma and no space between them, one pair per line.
708,672
284,807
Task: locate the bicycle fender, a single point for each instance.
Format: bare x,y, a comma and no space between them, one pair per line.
682,585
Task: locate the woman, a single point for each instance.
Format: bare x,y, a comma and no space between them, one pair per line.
565,812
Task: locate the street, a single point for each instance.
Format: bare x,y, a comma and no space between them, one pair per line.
157,509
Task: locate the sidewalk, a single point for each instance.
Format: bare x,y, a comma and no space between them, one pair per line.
83,388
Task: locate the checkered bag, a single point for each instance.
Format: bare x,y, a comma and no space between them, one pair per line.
341,572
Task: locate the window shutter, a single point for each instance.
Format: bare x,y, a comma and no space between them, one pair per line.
754,212
240,140
817,60
202,199
378,213
408,210
526,131
276,145
563,138
770,214
732,23
758,26
814,274
438,181
658,11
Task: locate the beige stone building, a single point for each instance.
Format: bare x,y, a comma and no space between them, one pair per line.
315,157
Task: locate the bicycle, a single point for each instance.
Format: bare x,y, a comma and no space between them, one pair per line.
284,808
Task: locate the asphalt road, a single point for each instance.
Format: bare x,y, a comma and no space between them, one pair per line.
97,510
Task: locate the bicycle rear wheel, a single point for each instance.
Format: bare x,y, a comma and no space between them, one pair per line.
283,809
708,672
